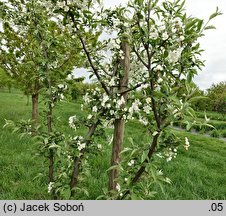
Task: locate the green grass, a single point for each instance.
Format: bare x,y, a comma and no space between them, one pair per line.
199,173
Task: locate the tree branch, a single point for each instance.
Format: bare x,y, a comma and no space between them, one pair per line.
95,70
139,173
77,160
139,57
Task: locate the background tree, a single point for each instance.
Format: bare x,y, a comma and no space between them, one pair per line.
217,97
30,41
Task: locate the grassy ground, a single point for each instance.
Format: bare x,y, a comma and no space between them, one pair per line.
199,173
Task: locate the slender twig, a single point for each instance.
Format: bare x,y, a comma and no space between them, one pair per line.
140,58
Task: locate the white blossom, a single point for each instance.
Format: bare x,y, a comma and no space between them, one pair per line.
89,116
99,146
61,96
86,98
120,102
147,109
148,100
165,36
131,163
169,158
158,68
60,86
95,109
143,121
112,82
174,56
71,121
161,28
155,133
81,146
118,187
154,35
159,80
181,38
135,106
112,112
145,85
187,144
50,187
104,99
178,23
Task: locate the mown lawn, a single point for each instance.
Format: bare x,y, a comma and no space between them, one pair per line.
199,173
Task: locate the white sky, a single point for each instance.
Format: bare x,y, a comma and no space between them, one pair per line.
214,42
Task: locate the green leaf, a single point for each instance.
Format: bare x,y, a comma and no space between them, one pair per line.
215,14
125,150
210,27
189,77
190,24
113,167
199,26
188,126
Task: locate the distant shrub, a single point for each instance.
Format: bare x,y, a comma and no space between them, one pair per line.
79,89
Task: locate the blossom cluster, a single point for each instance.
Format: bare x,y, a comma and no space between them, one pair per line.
114,106
168,154
186,144
72,122
80,142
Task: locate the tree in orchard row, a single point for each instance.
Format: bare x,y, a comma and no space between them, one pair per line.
37,54
34,51
164,58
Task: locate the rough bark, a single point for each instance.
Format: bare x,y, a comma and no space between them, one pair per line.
119,124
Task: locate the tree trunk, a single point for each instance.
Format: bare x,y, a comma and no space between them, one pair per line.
119,123
34,113
28,97
116,149
51,154
35,107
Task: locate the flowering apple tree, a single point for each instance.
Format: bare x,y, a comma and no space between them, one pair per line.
153,49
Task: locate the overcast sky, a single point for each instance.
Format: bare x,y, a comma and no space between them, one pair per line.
214,42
